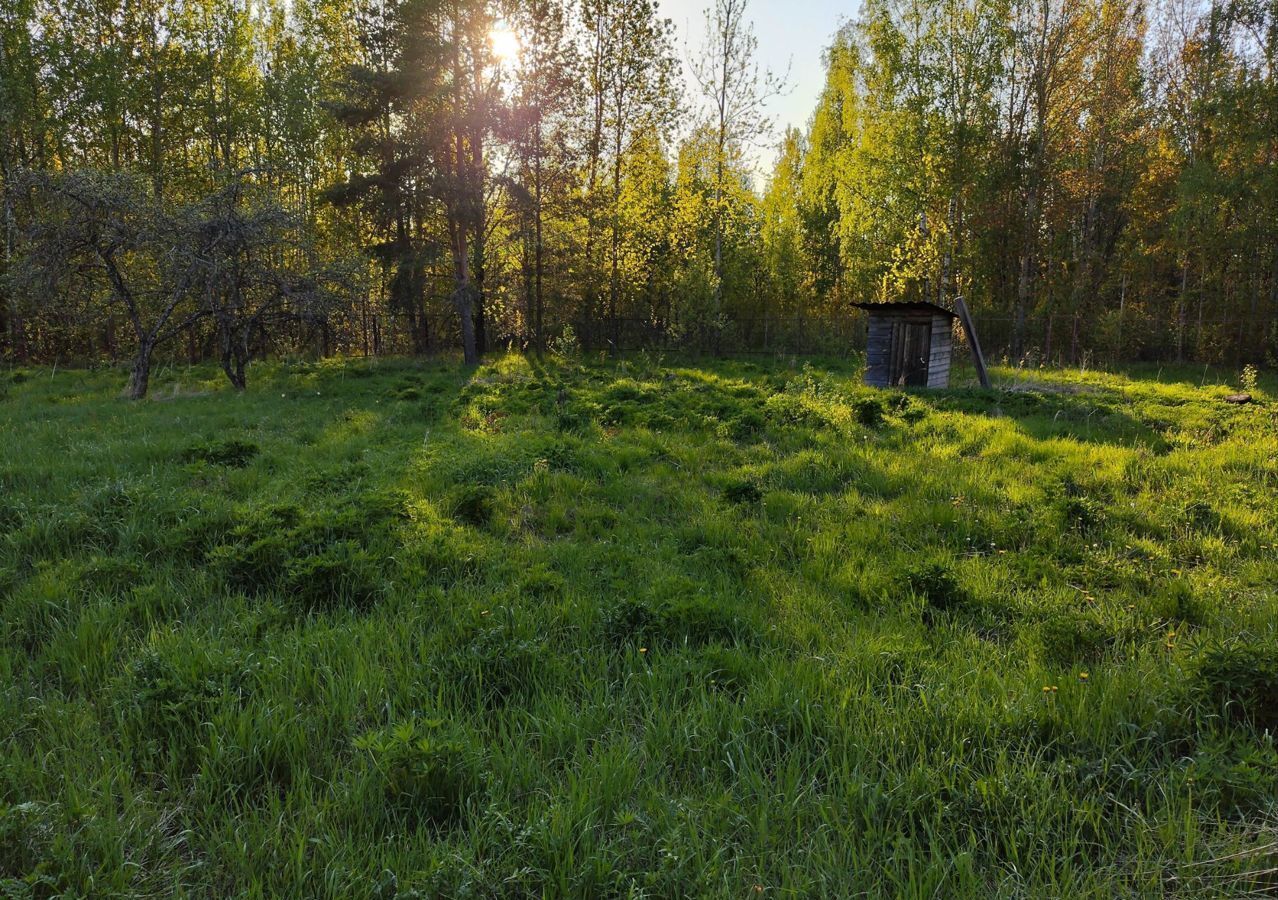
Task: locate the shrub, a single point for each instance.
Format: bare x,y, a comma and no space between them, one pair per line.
934,584
342,574
1071,637
742,491
426,772
869,411
565,345
692,621
234,454
169,696
473,505
256,565
542,583
1241,681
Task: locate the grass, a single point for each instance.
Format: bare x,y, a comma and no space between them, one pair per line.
638,629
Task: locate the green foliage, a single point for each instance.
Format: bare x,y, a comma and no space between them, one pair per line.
744,491
430,774
1249,380
1073,637
1241,681
473,504
936,585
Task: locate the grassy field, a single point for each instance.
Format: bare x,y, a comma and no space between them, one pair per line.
654,628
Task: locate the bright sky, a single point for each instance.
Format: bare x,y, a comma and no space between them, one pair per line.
792,35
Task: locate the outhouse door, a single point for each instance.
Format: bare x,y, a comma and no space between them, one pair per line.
911,349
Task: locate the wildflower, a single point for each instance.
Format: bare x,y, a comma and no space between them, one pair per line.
1083,676
643,651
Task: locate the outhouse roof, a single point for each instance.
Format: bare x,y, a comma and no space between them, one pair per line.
910,307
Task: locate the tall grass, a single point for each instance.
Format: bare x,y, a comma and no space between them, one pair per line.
640,629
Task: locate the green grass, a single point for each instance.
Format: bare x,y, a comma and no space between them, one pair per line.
643,629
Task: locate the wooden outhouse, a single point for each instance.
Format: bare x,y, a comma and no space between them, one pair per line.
910,345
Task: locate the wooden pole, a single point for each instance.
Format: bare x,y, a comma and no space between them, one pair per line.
977,356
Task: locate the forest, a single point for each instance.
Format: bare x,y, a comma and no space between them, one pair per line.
239,179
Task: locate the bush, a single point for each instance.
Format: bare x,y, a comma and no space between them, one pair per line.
541,583
473,505
1242,682
233,454
169,696
742,491
427,773
342,574
869,411
936,586
692,621
1074,637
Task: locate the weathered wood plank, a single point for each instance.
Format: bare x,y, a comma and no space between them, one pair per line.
977,356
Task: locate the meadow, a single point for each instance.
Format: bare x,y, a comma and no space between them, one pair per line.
638,628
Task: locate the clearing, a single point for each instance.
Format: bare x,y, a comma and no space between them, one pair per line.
648,628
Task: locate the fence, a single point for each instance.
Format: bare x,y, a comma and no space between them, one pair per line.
1055,339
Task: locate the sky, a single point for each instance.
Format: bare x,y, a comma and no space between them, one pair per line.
792,36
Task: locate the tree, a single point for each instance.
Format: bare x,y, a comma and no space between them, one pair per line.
106,233
233,251
632,88
546,98
736,95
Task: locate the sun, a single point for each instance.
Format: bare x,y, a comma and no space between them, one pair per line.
505,44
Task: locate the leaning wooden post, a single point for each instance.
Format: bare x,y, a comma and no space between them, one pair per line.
977,356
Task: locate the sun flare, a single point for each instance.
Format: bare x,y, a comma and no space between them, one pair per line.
505,44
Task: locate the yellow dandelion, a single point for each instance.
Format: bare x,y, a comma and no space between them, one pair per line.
1083,676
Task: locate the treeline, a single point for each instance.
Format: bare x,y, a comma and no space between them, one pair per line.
230,178
1096,176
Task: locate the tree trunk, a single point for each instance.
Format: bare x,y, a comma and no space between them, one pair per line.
140,377
462,298
539,260
463,293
